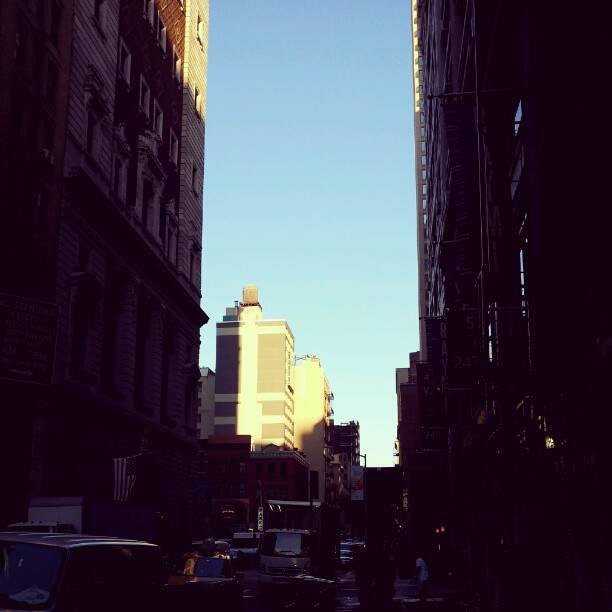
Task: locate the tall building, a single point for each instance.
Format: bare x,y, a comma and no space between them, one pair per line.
254,387
131,77
420,175
206,401
35,48
518,372
312,414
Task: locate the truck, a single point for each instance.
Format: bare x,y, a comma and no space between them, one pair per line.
246,544
93,517
300,540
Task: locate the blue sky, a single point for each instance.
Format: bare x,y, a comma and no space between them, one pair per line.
309,189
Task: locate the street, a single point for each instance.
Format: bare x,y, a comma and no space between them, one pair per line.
406,595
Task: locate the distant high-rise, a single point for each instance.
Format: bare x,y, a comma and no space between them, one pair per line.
312,419
254,375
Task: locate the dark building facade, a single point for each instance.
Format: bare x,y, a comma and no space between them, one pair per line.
345,440
276,473
517,310
119,264
224,461
34,75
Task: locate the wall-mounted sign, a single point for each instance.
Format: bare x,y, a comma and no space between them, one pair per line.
356,482
28,330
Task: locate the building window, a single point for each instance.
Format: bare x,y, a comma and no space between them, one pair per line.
242,465
198,101
258,468
120,176
423,160
172,243
518,117
200,30
92,142
161,33
241,490
124,62
148,203
149,12
145,97
283,469
142,355
271,468
100,11
158,119
173,148
176,66
194,178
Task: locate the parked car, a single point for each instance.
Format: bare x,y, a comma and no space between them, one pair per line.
66,572
203,580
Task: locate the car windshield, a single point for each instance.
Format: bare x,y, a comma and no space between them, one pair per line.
244,543
28,574
280,544
203,567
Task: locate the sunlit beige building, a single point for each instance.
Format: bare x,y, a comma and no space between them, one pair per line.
312,419
254,377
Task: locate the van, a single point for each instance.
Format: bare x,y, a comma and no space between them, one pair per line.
247,543
55,572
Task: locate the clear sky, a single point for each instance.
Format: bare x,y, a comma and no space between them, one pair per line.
309,189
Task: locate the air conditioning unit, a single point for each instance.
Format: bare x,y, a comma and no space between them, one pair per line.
47,156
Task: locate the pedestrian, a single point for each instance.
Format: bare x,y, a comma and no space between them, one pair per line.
422,574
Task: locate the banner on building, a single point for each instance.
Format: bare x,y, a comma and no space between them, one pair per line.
356,482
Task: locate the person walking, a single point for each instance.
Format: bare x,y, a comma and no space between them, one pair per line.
422,573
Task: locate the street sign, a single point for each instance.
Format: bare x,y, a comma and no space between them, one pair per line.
260,518
28,330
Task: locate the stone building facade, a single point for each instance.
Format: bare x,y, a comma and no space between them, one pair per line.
127,277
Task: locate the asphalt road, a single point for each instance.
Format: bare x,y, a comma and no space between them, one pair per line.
346,596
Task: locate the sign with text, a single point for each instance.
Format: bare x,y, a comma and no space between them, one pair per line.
356,482
28,330
260,512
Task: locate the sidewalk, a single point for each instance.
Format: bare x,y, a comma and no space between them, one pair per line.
438,596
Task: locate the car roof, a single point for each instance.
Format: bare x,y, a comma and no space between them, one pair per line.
68,540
